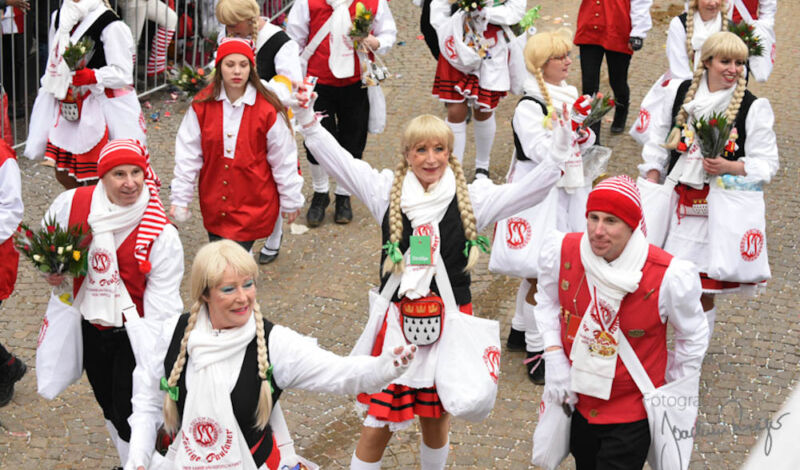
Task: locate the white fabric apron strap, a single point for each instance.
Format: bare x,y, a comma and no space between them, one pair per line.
634,366
443,283
743,11
312,45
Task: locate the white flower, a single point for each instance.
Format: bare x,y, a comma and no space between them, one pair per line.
37,258
68,248
60,250
474,5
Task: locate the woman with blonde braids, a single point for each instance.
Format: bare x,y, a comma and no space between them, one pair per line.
547,58
425,196
719,86
224,366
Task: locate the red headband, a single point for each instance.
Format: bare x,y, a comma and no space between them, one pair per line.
230,46
619,196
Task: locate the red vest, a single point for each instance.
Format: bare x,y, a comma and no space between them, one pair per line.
319,12
238,196
9,255
752,8
129,272
605,23
639,322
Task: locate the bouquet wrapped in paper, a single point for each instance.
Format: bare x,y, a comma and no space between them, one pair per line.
53,249
372,71
600,106
189,79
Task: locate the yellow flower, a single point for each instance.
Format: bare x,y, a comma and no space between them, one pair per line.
76,255
360,9
367,16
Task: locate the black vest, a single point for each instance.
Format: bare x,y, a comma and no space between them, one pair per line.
244,396
265,59
94,32
741,117
451,231
517,144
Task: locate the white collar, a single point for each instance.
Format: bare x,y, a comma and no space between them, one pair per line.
247,98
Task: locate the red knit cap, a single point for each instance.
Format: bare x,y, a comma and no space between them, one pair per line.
618,196
230,46
121,152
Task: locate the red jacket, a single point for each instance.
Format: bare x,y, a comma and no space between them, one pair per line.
9,255
605,23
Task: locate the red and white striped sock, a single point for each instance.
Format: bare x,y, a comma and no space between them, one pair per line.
157,62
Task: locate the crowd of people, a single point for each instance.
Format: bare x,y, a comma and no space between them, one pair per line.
612,263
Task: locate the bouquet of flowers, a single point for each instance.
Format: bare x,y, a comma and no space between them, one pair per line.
747,34
469,6
372,71
53,249
189,80
362,24
600,106
714,135
79,54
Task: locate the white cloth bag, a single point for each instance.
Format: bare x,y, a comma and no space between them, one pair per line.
468,368
551,436
662,91
671,412
516,59
451,44
379,303
377,110
736,228
659,202
59,354
518,239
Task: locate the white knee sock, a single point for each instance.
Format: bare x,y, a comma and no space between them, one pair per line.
533,338
273,242
518,321
433,459
711,316
484,138
459,138
319,179
358,464
122,446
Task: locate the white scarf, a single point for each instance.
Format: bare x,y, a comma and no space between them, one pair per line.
701,31
425,209
594,352
208,425
562,94
58,76
103,297
702,105
341,61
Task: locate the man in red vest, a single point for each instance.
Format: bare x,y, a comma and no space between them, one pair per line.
594,287
11,368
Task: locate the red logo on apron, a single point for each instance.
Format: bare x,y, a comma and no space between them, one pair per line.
101,261
751,245
42,331
541,408
205,431
491,356
450,48
644,121
519,233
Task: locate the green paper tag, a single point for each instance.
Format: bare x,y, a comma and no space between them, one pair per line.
420,249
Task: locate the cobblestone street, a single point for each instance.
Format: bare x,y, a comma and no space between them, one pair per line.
318,286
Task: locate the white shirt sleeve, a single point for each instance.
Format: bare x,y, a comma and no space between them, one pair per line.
766,13
11,207
287,61
535,139
162,294
356,176
298,362
384,27
188,160
760,147
492,202
440,12
547,306
677,56
297,22
118,47
640,18
59,209
679,304
655,156
282,158
507,13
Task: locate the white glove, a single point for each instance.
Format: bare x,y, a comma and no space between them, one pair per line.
302,104
393,364
557,378
563,139
180,214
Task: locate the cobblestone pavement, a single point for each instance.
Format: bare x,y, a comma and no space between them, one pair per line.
319,284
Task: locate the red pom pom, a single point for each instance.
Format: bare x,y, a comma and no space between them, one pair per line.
682,147
145,267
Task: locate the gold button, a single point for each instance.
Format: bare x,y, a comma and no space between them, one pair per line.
593,413
598,2
564,284
226,166
225,183
228,150
595,27
597,14
224,198
229,134
222,214
567,265
635,333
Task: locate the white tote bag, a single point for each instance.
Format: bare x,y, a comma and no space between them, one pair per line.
660,94
469,358
658,204
59,354
518,239
377,110
516,59
378,306
736,228
671,412
551,437
451,43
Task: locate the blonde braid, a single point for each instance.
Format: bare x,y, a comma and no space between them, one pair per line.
265,394
545,93
255,30
723,10
674,136
396,217
170,407
690,32
736,99
467,215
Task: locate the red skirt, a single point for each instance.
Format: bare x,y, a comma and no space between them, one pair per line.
81,166
453,86
398,403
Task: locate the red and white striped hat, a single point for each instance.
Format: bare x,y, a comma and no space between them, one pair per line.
131,152
617,195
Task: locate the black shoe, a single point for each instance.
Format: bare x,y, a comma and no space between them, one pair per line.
516,340
534,366
481,171
316,211
9,375
264,258
343,213
620,116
